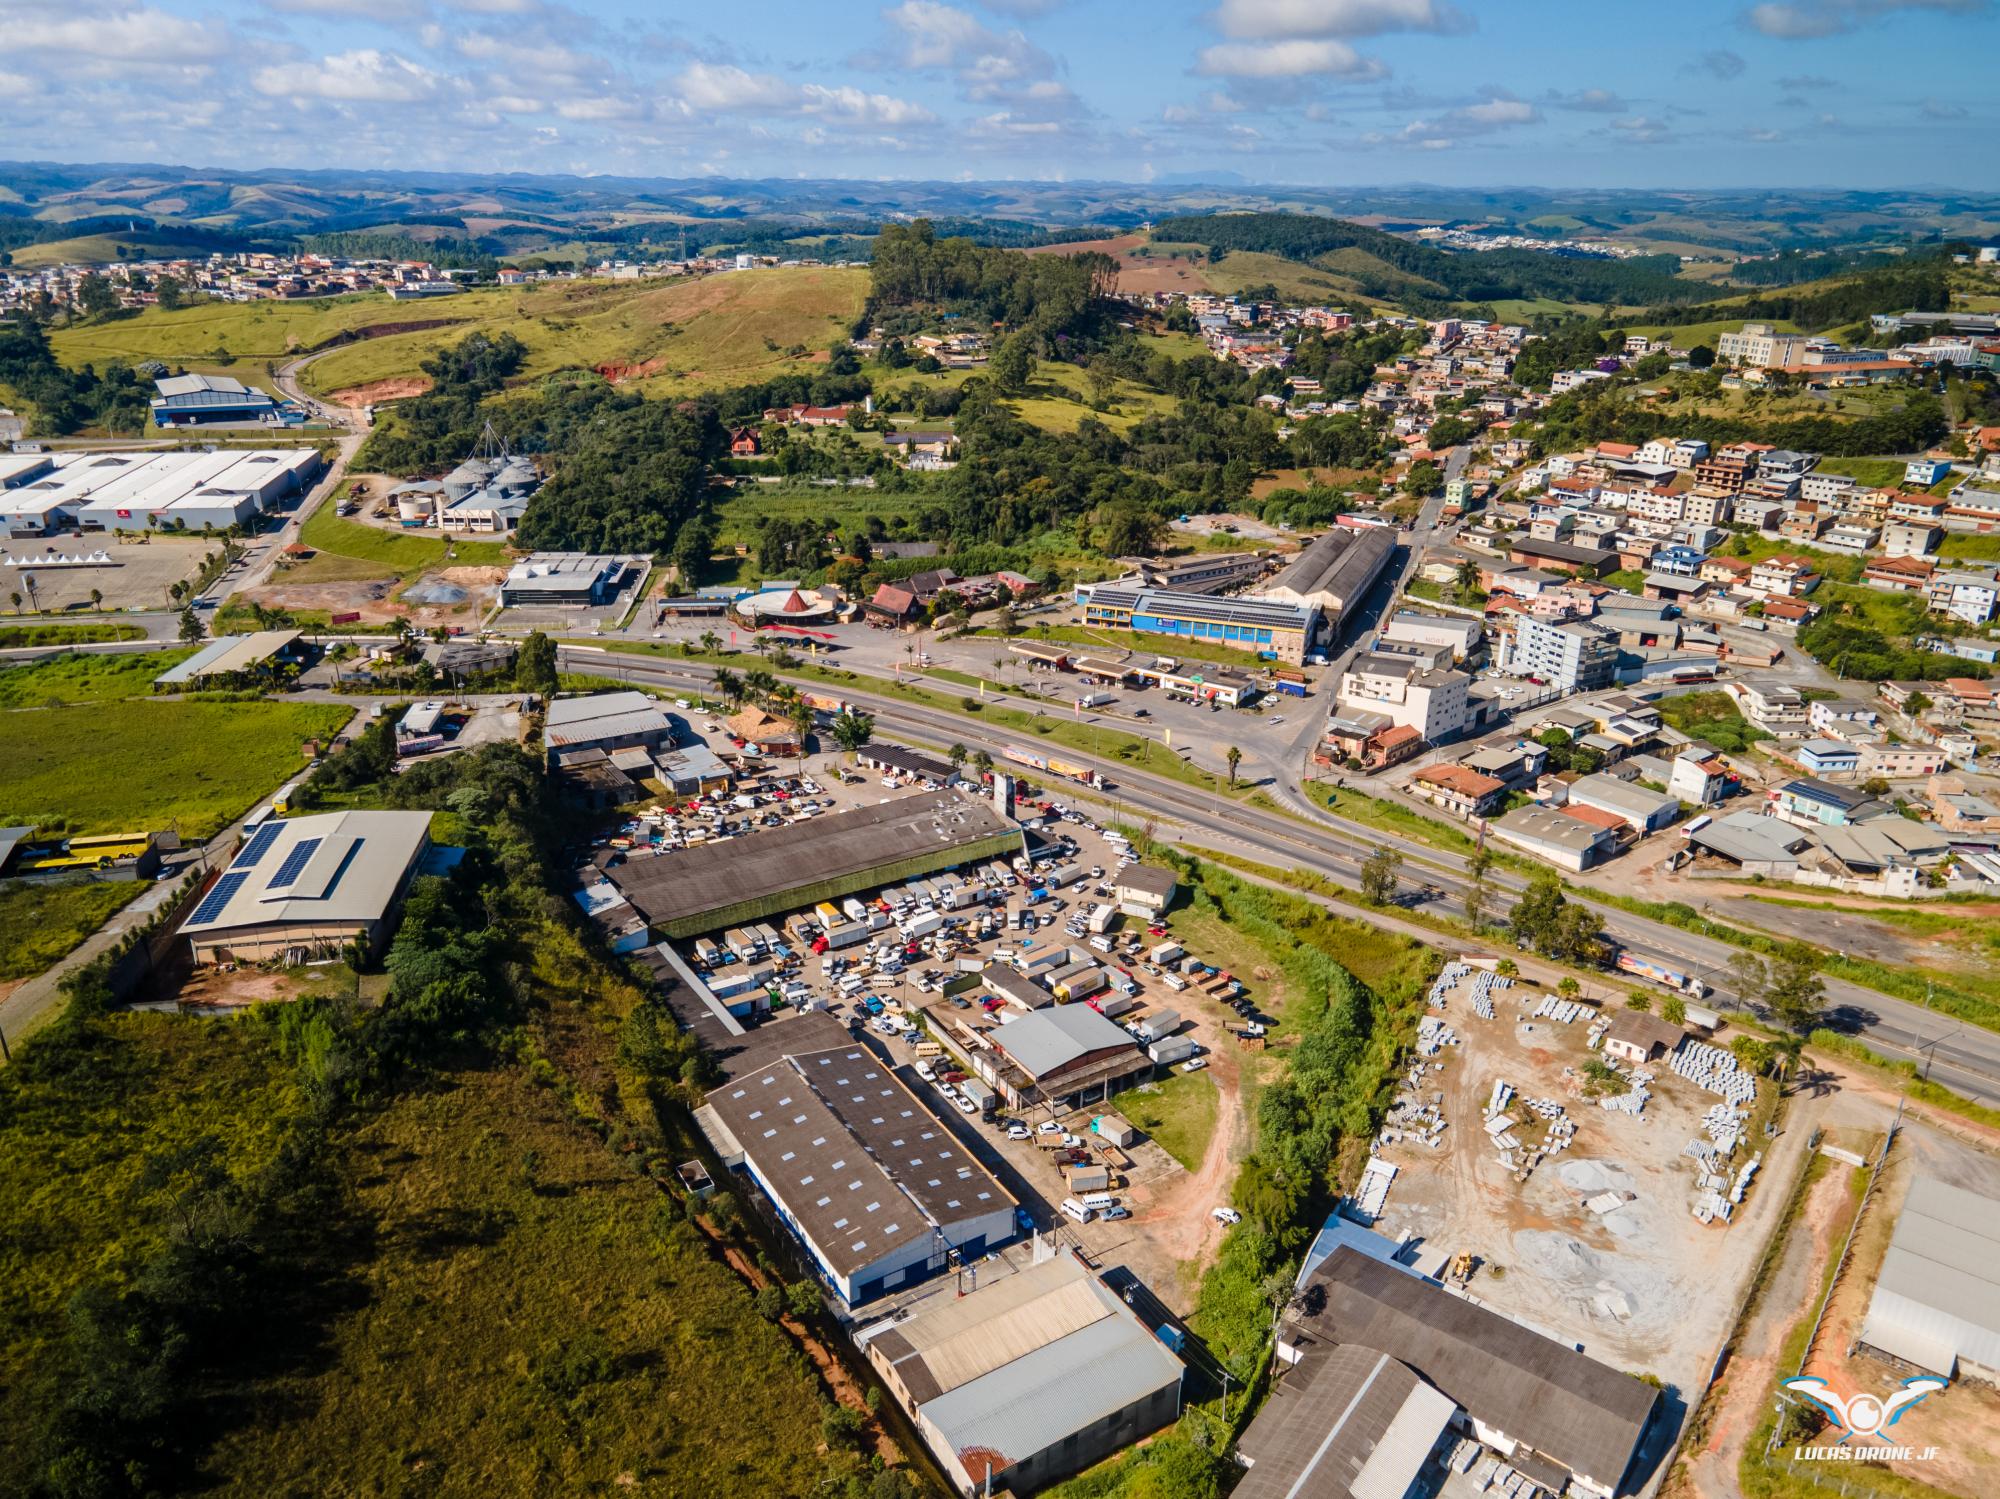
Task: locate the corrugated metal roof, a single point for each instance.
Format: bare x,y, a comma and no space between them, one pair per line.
1031,1404
1052,1038
967,1339
1940,1281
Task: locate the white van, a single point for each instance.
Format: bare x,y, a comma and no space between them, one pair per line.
1073,1209
852,985
1097,1202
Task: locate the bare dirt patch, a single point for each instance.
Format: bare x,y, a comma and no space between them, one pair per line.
617,373
381,392
1136,273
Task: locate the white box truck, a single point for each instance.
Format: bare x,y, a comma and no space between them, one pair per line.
1166,952
1101,917
1171,1050
1157,1025
923,924
855,910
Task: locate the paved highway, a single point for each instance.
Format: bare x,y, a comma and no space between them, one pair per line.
1962,1057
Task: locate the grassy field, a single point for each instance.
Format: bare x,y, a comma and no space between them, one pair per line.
1178,1111
14,637
255,332
103,249
135,765
348,544
843,510
1967,547
1836,566
1875,473
73,1156
39,923
55,680
528,1320
1388,817
671,335
1687,335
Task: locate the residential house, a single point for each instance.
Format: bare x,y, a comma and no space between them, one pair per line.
1701,778
893,606
1784,576
1829,757
1459,789
1725,572
1924,472
1911,539
1642,810
1895,762
1774,709
1432,701
1971,597
1846,718
1956,808
1814,803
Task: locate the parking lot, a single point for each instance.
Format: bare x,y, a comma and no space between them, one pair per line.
137,575
916,976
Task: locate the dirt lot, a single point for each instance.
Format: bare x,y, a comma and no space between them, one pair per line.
450,596
1137,273
1645,1286
139,578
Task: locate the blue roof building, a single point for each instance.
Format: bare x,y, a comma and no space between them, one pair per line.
191,400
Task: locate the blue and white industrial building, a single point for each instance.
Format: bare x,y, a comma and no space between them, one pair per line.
873,1185
197,400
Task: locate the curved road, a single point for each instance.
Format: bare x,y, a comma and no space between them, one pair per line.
1964,1058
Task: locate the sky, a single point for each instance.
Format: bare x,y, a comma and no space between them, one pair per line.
1327,93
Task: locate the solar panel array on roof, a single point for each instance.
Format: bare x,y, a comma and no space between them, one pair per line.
259,845
213,902
295,862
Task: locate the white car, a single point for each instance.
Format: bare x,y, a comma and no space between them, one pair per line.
1048,1127
1196,1065
1227,1215
1018,1132
1275,719
965,1103
926,1072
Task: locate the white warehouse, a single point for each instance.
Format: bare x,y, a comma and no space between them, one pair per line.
144,490
1937,1299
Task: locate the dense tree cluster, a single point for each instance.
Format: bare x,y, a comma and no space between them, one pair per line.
1474,277
65,400
1042,294
1600,413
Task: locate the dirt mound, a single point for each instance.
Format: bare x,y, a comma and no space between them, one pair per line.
617,374
380,392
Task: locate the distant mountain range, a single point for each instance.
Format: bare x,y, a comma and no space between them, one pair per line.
520,215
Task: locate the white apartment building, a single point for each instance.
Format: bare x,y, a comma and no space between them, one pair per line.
1576,657
1762,346
1434,702
1970,597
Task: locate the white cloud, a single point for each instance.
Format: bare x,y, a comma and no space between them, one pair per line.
1495,114
852,104
1806,20
726,87
363,76
1266,20
1642,130
1292,59
138,34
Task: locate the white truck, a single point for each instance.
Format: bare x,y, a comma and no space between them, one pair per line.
923,924
1101,917
1157,1026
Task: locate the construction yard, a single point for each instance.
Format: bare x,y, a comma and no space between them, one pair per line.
133,574
1568,1180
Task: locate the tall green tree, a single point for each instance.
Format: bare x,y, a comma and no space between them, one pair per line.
535,666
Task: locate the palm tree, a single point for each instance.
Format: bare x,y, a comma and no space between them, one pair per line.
852,730
710,641
1235,757
729,686
759,685
800,714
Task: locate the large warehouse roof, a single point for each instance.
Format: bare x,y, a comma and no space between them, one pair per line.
337,867
1054,1037
1937,1299
1025,1361
1586,1416
859,1162
1338,568
1168,603
817,860
1347,1420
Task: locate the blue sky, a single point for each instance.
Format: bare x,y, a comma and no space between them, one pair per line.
1599,93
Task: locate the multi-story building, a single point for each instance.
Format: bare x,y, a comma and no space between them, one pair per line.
1761,346
1971,597
1433,701
1576,657
1728,471
1705,507
1787,577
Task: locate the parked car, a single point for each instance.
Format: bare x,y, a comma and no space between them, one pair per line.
1227,1215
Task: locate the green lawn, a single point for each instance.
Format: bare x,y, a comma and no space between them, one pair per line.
13,637
842,510
39,923
1755,548
1178,1111
409,556
1387,816
1875,473
103,677
138,766
1965,546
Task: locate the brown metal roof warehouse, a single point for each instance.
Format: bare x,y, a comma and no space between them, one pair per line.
698,890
